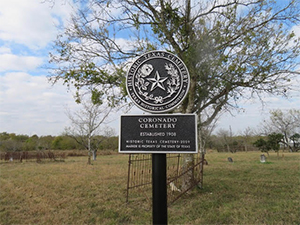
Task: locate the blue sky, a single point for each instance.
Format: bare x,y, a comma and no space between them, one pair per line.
30,105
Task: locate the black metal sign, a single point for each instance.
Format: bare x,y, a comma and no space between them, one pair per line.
157,81
158,133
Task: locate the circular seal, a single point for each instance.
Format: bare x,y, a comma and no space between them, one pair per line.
157,81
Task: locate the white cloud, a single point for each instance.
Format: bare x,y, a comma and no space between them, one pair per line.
5,50
29,105
255,112
31,22
18,63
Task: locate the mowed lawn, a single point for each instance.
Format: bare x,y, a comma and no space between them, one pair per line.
72,192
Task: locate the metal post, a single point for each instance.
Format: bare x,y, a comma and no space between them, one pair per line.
128,177
159,189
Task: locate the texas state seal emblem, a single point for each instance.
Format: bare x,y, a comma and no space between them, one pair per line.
157,81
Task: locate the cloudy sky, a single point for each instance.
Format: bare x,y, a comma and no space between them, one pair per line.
30,105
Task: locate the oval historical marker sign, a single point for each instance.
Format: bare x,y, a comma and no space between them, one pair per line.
157,81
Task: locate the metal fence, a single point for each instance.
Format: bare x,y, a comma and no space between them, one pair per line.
139,182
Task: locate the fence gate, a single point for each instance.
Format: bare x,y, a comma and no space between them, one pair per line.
139,180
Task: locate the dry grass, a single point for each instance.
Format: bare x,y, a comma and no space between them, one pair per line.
246,191
72,192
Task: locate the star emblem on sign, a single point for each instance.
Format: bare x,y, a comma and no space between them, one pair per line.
157,81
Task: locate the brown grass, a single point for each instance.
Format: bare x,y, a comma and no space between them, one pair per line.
72,192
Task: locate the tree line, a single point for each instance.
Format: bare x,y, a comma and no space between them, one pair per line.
11,142
280,131
222,141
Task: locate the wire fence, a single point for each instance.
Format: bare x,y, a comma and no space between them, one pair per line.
139,182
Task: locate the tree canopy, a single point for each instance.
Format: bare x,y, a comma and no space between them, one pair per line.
233,49
272,143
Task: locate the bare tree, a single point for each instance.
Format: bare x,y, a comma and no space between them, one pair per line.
85,126
247,134
226,138
285,122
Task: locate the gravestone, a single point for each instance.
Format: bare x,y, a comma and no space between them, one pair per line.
263,158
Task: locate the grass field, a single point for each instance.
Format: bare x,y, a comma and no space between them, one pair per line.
72,192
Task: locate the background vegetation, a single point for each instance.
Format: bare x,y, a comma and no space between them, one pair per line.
222,141
20,142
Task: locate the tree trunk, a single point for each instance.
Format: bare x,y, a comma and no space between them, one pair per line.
89,158
188,168
202,142
94,155
200,184
246,148
89,149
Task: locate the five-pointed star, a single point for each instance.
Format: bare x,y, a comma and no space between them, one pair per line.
157,81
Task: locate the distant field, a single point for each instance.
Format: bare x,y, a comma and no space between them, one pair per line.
72,192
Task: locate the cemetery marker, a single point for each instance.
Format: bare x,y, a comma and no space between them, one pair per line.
157,82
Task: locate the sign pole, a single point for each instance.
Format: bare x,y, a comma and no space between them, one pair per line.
159,189
157,82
